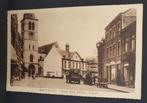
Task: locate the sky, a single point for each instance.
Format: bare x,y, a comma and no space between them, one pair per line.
80,27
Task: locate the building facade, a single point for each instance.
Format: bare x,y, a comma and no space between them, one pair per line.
29,31
58,61
128,35
117,39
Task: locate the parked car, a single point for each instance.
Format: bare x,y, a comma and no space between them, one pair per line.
74,76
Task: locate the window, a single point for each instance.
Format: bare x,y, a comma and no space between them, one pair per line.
65,64
133,42
29,46
118,50
126,73
119,26
80,65
33,26
114,31
73,65
110,34
69,64
107,36
106,32
33,47
31,34
107,52
30,25
113,73
113,49
31,58
110,51
126,45
76,65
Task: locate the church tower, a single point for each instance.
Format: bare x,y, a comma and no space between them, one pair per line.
29,29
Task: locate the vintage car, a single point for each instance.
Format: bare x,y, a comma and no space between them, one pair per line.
74,76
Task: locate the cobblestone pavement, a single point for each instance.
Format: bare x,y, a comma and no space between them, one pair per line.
53,83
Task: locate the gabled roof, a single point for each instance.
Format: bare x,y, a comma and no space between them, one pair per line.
46,49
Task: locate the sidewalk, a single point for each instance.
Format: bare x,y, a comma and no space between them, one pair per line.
120,88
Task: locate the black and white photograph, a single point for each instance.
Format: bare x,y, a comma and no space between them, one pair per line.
90,51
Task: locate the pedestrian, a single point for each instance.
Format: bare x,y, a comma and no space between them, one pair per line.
33,73
67,77
23,71
29,72
94,79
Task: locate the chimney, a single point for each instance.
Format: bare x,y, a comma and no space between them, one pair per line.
67,47
67,51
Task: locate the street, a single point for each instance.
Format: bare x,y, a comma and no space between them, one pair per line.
54,83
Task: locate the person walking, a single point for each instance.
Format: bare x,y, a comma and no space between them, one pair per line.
33,73
94,79
67,77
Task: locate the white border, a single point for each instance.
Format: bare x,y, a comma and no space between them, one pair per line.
135,95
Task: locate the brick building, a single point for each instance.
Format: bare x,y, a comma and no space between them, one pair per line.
119,39
128,35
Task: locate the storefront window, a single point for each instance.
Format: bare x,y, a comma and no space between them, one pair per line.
113,73
133,42
126,73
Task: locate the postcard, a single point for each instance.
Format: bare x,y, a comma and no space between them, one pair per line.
88,51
